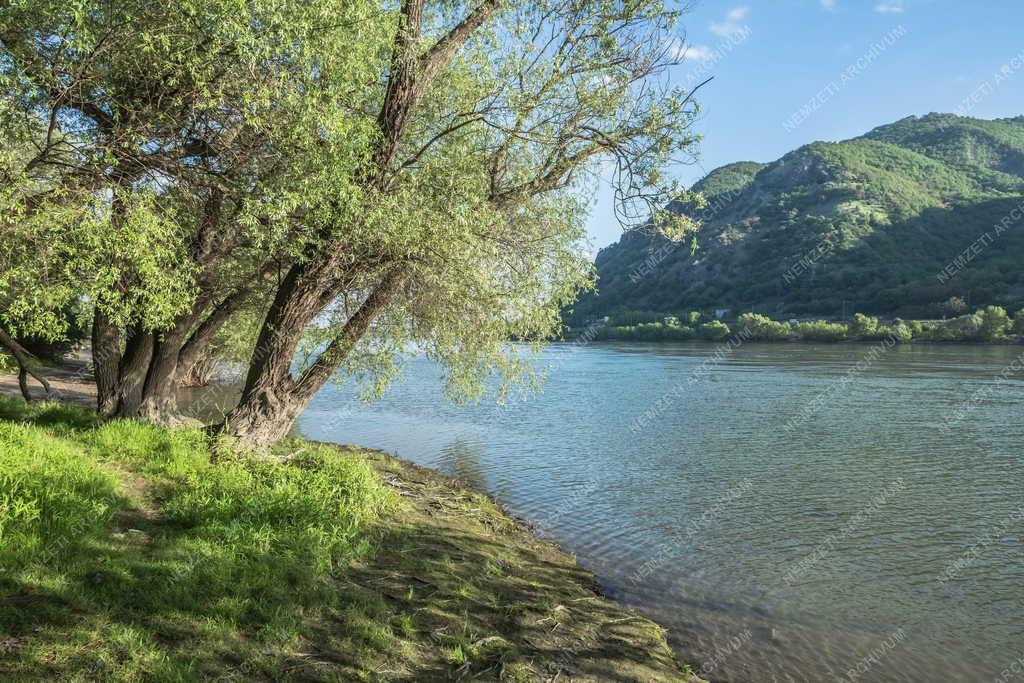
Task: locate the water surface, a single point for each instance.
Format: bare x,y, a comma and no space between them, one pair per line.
789,512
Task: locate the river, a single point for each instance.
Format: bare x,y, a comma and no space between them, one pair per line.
788,512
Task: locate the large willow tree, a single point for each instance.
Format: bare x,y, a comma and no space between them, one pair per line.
384,179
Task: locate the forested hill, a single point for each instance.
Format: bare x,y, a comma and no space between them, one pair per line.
896,222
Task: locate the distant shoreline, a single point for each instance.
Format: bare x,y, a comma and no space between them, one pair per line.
808,342
989,325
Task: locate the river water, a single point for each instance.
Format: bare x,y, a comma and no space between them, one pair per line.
788,512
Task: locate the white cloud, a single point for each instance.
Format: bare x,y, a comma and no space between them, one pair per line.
890,7
696,53
731,27
828,4
726,29
738,13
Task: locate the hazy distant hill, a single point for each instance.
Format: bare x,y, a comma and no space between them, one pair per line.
879,222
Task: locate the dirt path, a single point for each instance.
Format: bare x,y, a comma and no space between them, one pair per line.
71,382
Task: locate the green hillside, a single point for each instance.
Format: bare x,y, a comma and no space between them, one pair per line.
877,222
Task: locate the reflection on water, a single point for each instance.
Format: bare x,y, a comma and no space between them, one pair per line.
462,461
789,512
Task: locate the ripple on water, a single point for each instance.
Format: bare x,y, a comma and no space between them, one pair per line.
787,511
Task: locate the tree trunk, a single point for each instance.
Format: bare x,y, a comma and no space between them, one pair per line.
23,384
132,373
265,417
266,410
106,358
24,360
199,374
159,394
193,350
272,399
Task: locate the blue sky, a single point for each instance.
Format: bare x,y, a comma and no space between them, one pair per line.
789,72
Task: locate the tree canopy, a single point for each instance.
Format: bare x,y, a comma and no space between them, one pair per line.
368,178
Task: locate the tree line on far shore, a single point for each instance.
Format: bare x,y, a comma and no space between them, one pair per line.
987,325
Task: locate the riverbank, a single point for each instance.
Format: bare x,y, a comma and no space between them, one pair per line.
130,556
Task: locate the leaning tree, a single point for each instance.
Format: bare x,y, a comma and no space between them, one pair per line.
460,225
386,178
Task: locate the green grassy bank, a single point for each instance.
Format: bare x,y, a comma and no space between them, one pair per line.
128,554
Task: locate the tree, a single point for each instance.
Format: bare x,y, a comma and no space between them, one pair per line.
953,306
464,226
863,326
901,332
715,330
995,323
757,327
395,177
172,122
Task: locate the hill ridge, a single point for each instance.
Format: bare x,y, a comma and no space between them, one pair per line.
881,216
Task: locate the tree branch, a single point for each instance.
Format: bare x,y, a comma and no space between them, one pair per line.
444,50
411,76
25,362
353,331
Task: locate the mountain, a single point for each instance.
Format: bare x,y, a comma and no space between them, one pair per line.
895,222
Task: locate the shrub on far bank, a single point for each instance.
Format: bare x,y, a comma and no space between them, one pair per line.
819,330
989,324
900,332
756,327
995,323
986,325
863,326
715,330
1018,323
643,332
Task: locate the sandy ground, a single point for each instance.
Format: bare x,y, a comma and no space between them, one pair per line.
71,383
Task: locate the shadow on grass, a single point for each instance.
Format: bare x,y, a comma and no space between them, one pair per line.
127,555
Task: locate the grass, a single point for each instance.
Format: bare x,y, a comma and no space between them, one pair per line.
128,553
